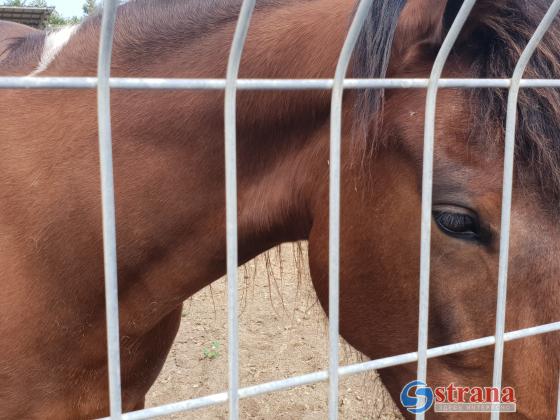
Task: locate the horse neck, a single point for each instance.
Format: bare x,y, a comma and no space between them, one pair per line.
278,131
282,147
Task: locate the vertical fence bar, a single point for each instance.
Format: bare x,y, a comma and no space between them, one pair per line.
427,186
334,198
509,152
108,205
558,403
230,128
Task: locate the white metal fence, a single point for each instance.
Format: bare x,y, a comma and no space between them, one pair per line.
230,85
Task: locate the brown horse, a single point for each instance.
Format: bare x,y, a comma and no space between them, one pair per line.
168,148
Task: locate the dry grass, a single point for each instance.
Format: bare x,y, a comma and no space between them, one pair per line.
283,333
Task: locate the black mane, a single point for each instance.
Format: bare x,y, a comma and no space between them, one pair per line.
496,47
493,39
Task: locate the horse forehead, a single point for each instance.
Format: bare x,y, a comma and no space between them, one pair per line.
54,42
453,126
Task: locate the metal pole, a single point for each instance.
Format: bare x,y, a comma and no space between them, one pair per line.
509,150
108,206
334,197
230,127
558,403
427,186
11,82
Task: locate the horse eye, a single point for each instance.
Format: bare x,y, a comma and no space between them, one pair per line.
458,225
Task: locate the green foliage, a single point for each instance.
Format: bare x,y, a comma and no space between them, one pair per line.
23,3
14,3
212,352
55,19
89,7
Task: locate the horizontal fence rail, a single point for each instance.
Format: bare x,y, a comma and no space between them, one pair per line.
321,376
263,84
231,85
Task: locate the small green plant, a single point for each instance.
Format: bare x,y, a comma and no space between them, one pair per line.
212,352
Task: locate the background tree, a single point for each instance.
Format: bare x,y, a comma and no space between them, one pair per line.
14,3
25,3
89,7
55,19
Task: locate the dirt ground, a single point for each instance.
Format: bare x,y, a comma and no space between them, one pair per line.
283,333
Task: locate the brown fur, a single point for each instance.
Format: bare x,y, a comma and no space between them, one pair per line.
168,149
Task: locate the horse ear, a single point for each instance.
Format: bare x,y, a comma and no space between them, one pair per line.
424,23
450,13
420,22
483,12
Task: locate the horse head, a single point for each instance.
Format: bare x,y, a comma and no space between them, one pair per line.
382,191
